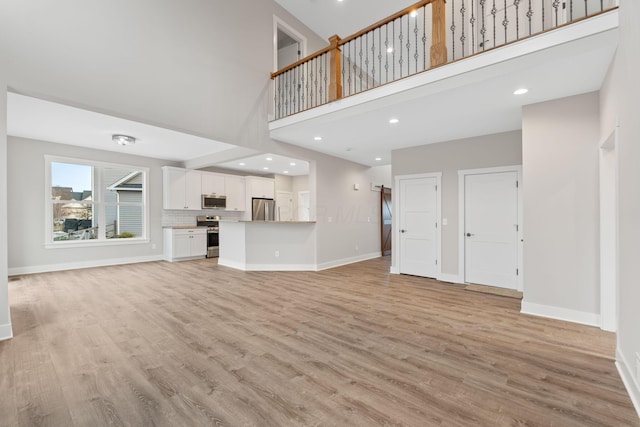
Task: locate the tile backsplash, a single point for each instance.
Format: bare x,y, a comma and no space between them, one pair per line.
175,218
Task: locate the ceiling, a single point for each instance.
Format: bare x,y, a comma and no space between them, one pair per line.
268,164
329,17
468,98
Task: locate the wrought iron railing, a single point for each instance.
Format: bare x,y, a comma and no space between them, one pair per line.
426,35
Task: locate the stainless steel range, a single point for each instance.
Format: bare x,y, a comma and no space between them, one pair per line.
211,222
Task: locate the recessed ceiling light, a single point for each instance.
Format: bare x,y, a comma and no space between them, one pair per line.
242,163
265,168
285,172
520,91
378,159
389,49
317,138
394,121
269,159
413,13
123,139
292,164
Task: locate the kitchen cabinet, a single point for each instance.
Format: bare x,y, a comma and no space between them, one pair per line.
213,183
234,187
181,244
182,189
260,187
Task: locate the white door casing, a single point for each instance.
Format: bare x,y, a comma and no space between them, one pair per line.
490,227
418,213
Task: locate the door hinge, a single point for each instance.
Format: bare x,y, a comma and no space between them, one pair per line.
516,184
517,272
436,262
517,227
436,224
436,188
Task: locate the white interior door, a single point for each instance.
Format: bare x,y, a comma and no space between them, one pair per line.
418,228
491,229
284,206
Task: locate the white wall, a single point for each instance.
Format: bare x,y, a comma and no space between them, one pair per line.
502,149
199,66
26,235
628,61
5,318
560,147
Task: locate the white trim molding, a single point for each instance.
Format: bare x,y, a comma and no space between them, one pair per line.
298,267
560,313
17,271
345,261
6,332
450,278
630,382
462,174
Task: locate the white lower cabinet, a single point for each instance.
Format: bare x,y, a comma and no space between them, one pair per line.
182,244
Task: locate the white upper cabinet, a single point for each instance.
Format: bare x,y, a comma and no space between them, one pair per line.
260,187
234,187
213,183
182,189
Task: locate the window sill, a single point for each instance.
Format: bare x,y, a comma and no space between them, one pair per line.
93,243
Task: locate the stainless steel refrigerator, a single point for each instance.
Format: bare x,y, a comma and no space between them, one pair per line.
263,209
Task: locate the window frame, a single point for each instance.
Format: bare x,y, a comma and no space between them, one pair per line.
98,203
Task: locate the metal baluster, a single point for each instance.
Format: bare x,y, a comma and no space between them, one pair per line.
393,53
555,5
462,37
542,15
505,22
424,37
494,11
408,45
586,13
516,3
366,61
380,54
373,58
453,29
415,32
360,70
472,21
386,56
529,15
483,29
400,37
302,80
570,10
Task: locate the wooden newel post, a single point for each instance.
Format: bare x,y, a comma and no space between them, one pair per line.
438,33
335,76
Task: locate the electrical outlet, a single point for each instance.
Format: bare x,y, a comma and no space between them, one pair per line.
277,254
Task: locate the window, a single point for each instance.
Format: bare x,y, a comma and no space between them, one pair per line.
95,203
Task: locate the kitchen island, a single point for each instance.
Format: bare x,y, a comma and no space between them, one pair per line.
268,245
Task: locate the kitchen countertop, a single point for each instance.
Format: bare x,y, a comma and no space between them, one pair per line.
268,222
183,227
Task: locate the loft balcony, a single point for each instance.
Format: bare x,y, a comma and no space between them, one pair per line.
445,71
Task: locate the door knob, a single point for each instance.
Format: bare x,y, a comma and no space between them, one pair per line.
469,234
403,231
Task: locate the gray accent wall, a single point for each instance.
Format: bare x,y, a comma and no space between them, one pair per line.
26,199
560,143
502,149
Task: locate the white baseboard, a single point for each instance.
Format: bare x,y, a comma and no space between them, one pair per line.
6,332
629,380
560,313
16,271
450,278
345,261
232,264
394,270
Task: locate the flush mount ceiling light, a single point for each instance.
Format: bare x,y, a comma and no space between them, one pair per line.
242,163
317,138
520,91
123,139
378,159
265,168
292,164
285,171
394,121
269,159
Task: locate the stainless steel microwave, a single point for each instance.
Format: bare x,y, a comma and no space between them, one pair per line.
213,201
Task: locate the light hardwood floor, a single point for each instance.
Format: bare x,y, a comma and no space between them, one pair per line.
194,344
